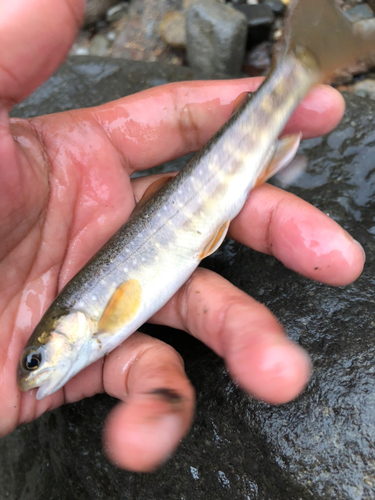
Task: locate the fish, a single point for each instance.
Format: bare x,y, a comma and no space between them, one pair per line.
184,219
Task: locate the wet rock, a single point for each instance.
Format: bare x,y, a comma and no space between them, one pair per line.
216,35
359,13
258,61
277,6
365,88
90,81
366,27
116,12
318,447
260,19
173,29
138,32
99,46
95,9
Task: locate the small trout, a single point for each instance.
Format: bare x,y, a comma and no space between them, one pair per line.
153,254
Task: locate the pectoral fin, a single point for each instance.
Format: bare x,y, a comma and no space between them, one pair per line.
216,241
285,151
122,307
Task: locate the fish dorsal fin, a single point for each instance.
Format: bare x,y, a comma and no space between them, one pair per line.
240,101
286,149
122,307
216,240
151,191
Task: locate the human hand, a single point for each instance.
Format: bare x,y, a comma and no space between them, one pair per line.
65,188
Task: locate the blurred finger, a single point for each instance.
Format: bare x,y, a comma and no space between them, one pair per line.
279,223
158,402
241,330
37,35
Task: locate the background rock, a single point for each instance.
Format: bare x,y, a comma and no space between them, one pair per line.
95,9
215,35
139,38
319,447
260,19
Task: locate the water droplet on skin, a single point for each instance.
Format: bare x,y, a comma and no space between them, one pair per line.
36,297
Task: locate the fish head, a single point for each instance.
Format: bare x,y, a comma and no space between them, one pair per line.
58,348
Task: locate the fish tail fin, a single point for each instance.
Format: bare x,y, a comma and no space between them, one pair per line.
321,28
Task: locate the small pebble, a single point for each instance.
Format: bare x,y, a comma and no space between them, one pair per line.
116,12
111,35
365,88
172,29
99,46
359,13
80,51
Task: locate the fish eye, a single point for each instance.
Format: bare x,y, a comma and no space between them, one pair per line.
32,361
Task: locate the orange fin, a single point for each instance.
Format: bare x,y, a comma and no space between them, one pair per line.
122,307
152,189
240,101
216,241
285,151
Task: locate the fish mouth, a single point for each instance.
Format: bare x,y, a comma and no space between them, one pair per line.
27,381
51,386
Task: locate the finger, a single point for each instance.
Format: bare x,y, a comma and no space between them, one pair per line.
37,35
158,403
166,122
244,332
279,223
141,184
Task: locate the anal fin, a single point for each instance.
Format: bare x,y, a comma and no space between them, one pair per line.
286,149
215,241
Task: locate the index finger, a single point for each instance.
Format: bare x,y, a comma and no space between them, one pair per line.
169,121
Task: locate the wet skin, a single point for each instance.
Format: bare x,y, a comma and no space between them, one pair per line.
65,188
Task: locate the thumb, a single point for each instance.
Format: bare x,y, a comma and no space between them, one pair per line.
35,36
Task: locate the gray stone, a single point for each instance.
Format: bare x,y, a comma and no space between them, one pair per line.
318,447
365,88
216,35
95,9
359,12
277,6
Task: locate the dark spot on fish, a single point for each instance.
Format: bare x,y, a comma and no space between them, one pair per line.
316,268
205,309
170,395
199,232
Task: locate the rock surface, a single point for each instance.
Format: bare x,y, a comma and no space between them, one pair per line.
95,9
319,447
215,35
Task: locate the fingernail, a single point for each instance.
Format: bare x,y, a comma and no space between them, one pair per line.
169,395
361,247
